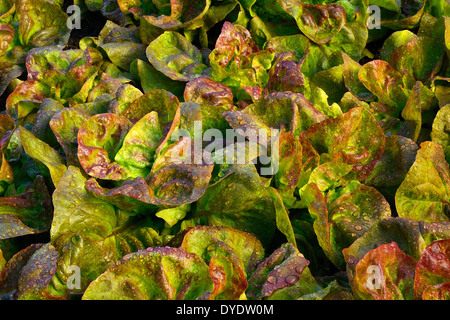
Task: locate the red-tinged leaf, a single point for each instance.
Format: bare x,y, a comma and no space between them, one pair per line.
432,279
355,137
380,78
26,213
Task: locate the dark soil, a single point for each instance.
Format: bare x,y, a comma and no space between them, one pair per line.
91,25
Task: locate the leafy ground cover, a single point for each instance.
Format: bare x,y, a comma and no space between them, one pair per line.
344,191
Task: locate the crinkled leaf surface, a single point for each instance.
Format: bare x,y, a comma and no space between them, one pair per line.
41,23
37,273
176,57
26,213
319,22
398,156
282,275
439,133
237,62
343,215
355,137
174,179
78,210
98,141
65,125
154,273
207,242
204,90
159,100
139,145
386,83
410,235
239,200
391,276
42,152
423,195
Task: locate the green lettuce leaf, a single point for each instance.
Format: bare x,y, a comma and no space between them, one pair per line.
182,16
150,78
65,125
38,29
206,91
354,137
239,200
121,45
229,280
99,139
78,210
344,214
237,62
288,175
404,16
439,134
159,100
398,157
29,212
410,235
139,145
423,195
421,57
171,181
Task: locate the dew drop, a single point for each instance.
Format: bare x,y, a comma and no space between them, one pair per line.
272,279
291,279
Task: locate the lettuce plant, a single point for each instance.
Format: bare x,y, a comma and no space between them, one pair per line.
23,27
